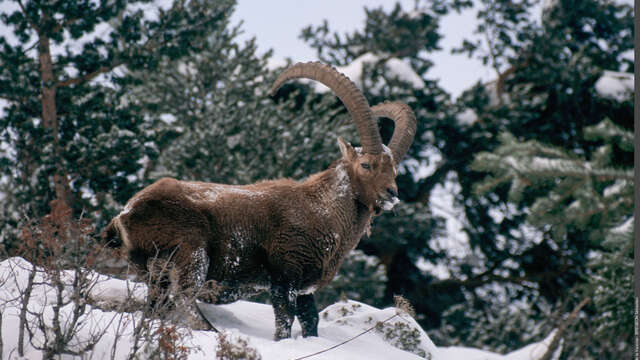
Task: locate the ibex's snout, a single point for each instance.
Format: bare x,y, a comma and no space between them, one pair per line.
387,200
390,201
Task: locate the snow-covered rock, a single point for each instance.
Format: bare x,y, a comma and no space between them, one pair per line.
377,334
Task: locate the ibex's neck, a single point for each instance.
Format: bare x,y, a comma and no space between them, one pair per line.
333,190
333,184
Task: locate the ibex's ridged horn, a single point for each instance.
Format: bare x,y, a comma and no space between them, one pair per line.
405,128
349,94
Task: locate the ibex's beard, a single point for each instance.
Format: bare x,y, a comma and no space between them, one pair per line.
390,203
385,205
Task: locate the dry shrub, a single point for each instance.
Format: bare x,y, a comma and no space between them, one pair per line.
58,241
61,253
402,336
402,304
239,349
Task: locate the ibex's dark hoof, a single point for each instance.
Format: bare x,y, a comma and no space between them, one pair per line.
282,335
310,333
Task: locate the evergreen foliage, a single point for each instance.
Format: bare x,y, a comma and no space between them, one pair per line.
590,196
220,124
561,168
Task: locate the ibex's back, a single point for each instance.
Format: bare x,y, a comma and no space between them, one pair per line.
251,229
287,236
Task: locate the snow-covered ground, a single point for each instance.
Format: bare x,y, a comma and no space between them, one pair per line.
398,338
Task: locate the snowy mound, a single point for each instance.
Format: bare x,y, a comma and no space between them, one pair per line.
338,322
377,334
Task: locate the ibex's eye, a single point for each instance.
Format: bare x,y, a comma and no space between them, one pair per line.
365,166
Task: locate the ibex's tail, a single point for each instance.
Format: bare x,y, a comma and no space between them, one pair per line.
110,236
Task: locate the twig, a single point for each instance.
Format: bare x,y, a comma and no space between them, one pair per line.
24,309
350,339
1,344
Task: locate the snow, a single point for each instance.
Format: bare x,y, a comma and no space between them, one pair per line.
438,270
616,188
626,55
342,181
548,4
168,118
210,192
151,10
388,205
4,104
246,320
442,201
615,85
529,352
625,227
387,151
467,118
419,12
395,68
274,64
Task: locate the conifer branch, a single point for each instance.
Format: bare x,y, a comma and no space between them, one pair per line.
487,277
26,16
561,330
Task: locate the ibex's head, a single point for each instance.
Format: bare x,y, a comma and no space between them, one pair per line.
372,168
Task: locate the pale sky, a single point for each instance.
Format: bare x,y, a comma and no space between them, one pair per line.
276,24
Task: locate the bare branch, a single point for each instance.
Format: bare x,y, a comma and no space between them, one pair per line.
89,76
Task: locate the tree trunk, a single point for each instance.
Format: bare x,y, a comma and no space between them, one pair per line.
49,117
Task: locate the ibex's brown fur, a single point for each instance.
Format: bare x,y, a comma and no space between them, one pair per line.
286,236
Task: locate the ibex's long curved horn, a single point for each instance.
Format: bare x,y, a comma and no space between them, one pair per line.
349,94
405,128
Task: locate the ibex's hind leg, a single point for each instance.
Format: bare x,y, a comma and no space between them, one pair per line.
191,278
159,285
307,314
284,307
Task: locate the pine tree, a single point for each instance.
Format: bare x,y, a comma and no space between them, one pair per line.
592,196
66,131
546,84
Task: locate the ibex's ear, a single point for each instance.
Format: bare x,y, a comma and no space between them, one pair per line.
348,152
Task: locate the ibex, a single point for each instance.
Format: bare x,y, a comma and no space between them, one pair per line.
285,236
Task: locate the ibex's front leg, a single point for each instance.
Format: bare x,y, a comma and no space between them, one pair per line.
307,314
283,298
